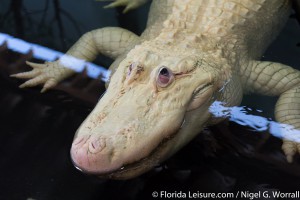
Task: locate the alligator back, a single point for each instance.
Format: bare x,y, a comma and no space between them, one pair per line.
249,24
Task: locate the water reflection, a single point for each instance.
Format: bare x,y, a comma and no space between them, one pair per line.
241,116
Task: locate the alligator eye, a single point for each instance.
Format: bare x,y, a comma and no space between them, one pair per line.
165,77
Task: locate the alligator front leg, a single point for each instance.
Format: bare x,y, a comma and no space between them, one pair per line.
109,41
273,79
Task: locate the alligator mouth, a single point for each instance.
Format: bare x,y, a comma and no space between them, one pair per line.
140,166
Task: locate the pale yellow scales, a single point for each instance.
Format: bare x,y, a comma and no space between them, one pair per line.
192,53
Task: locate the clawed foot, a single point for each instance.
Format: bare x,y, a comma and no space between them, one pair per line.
48,74
129,4
290,148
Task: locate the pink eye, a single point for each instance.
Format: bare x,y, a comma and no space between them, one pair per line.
165,77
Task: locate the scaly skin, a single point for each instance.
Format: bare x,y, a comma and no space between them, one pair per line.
192,53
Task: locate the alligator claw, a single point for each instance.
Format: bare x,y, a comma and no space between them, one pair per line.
49,84
48,74
129,4
25,75
33,82
35,65
290,148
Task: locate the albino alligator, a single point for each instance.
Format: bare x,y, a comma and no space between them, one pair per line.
192,53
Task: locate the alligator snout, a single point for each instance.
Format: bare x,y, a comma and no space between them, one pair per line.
94,154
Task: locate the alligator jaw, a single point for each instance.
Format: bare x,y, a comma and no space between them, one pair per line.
136,168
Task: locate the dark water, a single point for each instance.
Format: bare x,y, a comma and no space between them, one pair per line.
36,130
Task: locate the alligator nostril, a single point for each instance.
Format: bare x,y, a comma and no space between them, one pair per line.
79,141
97,145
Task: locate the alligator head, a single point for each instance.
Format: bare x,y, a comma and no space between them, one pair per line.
155,103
